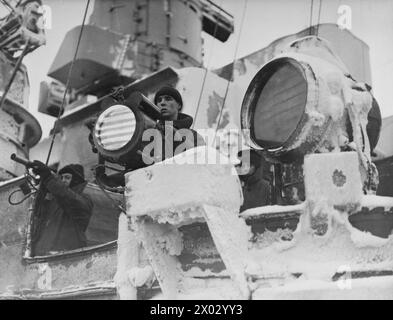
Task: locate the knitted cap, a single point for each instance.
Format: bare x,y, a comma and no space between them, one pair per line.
169,91
78,175
28,1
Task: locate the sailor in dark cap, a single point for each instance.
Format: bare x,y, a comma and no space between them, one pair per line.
170,102
64,210
256,189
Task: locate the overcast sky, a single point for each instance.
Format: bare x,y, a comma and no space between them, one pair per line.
265,21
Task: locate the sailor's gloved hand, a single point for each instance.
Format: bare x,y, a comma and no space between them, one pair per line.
41,169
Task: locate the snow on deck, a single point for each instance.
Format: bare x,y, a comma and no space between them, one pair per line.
268,210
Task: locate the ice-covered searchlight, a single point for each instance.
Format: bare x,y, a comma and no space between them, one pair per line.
301,107
305,101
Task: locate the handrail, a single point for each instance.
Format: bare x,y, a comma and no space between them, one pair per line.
71,253
95,289
10,182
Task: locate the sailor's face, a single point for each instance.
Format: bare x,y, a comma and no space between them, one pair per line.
169,107
66,178
245,167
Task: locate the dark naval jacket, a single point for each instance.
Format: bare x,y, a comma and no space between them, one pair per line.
256,191
61,220
192,140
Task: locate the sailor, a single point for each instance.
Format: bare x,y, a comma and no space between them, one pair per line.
170,102
63,211
256,188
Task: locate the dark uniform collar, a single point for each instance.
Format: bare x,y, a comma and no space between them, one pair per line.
184,121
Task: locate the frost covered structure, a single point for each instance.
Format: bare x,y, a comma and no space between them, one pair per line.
304,108
166,196
326,257
304,101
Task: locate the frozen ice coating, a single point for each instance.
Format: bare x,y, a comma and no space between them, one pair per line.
358,111
267,210
173,189
231,236
206,289
372,201
317,257
201,185
334,95
365,239
321,256
180,194
162,242
334,177
317,47
128,248
140,276
375,288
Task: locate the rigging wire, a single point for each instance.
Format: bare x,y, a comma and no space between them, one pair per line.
319,16
67,83
31,193
311,14
206,70
233,68
9,6
38,195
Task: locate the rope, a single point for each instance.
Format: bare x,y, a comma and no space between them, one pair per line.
233,68
27,174
67,83
206,69
18,202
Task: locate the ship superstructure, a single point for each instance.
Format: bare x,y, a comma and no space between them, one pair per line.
305,104
20,34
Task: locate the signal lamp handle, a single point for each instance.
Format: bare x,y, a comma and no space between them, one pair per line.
149,108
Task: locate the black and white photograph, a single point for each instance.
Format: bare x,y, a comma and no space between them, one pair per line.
196,150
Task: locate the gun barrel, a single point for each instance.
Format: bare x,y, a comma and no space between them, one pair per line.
20,160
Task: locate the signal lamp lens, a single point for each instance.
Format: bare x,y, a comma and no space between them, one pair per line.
280,106
115,127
